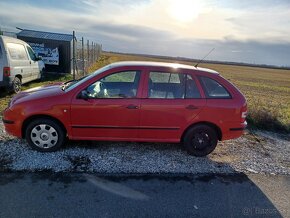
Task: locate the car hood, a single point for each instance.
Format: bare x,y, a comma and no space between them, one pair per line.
36,93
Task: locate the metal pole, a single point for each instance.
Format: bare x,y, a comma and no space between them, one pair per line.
93,58
83,56
88,50
74,47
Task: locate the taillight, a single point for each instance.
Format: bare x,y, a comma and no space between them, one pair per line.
244,113
6,71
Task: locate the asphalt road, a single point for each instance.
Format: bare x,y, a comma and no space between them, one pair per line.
88,195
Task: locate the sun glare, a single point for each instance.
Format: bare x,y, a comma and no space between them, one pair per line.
185,10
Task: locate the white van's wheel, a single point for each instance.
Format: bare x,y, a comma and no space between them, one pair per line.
16,85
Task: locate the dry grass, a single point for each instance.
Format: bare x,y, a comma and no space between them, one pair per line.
267,90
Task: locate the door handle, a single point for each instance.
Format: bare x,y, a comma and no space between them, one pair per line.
191,107
131,106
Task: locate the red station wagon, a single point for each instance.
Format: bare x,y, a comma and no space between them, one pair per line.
132,101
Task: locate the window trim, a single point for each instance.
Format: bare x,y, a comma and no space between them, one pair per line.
207,96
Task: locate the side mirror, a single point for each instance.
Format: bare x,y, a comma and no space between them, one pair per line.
83,95
39,58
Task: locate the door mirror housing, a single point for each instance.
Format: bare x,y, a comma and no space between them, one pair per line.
83,95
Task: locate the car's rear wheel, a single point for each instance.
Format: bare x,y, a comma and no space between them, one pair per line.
200,140
45,135
16,85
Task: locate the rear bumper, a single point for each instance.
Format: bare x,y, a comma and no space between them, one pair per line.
234,131
6,82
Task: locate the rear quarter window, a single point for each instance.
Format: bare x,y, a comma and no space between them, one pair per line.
213,89
17,51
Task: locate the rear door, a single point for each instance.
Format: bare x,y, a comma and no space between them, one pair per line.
112,111
172,100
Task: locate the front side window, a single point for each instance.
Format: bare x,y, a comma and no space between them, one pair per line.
172,86
31,53
117,85
17,51
213,89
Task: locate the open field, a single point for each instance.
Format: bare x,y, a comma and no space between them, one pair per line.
267,90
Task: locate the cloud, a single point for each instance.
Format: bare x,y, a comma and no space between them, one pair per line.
259,35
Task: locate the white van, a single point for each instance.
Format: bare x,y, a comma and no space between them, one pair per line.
18,64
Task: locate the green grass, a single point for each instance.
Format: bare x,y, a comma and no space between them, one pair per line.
267,90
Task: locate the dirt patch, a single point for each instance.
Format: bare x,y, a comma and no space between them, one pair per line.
79,163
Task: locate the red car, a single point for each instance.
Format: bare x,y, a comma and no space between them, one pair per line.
132,101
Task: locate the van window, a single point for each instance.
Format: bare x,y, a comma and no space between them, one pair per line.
31,53
17,51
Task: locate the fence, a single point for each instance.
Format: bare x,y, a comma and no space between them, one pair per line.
86,53
80,55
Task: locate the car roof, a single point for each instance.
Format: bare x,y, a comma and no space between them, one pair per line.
160,64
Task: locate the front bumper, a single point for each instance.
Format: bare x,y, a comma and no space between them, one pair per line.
11,123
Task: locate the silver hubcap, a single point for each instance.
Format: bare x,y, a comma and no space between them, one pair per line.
44,136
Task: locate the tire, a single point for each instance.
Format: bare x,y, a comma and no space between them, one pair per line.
200,140
45,135
16,85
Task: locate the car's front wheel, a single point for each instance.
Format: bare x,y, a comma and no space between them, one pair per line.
45,135
200,140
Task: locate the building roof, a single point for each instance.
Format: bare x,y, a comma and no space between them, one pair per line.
45,35
160,64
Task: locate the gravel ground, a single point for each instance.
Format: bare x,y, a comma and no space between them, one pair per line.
258,152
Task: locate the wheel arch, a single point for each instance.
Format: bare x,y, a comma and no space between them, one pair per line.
40,116
19,76
214,126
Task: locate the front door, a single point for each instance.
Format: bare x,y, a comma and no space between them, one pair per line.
34,68
112,111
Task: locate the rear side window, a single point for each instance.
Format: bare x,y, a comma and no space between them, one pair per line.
213,89
165,85
17,51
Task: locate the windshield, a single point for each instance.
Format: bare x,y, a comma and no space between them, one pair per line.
74,83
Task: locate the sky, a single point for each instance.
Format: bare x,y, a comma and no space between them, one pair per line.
249,31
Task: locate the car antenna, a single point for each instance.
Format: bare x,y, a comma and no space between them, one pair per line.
203,58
